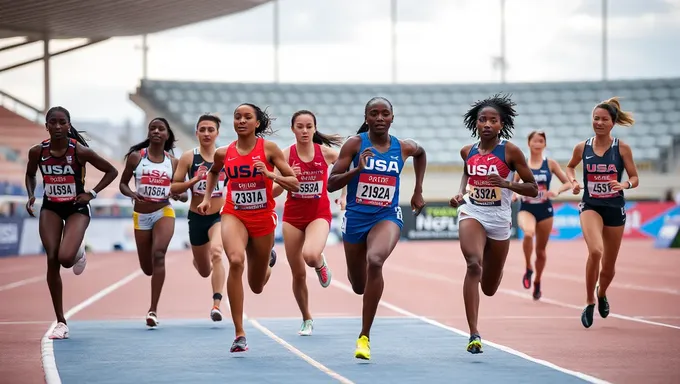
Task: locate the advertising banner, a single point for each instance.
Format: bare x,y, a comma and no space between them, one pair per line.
10,235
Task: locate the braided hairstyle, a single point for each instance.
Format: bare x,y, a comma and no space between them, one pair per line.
318,137
265,120
72,132
377,99
168,146
505,108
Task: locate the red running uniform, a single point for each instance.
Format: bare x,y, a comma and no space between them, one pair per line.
312,201
249,192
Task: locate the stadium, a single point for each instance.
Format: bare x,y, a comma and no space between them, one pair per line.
414,338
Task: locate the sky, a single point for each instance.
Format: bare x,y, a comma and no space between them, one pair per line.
349,41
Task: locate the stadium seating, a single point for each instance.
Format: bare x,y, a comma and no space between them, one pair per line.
432,114
18,136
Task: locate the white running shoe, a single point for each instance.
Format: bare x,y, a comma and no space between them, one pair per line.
151,319
215,314
60,332
81,260
306,328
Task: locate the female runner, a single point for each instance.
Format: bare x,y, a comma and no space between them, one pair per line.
370,165
485,214
65,210
154,218
307,213
602,208
536,213
204,230
248,216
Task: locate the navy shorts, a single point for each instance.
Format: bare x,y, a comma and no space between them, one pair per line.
539,211
611,216
356,226
199,225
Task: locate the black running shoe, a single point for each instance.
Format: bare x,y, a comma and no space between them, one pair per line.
587,315
602,304
239,345
526,279
537,291
272,258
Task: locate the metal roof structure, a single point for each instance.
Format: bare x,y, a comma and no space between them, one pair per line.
101,19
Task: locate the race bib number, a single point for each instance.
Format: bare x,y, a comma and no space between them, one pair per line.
60,189
309,190
542,196
376,190
249,196
218,191
485,196
598,185
154,189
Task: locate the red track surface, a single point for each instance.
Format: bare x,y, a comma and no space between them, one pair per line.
422,277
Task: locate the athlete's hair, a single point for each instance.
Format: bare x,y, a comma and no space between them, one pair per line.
72,132
505,108
168,146
540,133
209,117
265,120
377,99
319,138
619,116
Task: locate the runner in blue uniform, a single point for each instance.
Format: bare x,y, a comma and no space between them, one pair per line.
602,208
370,165
535,216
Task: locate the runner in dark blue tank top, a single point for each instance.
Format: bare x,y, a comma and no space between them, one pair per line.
602,209
536,213
370,164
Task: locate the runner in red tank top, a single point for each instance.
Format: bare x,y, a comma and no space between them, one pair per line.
65,210
248,216
307,213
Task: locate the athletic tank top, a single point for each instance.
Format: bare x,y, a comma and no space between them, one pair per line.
376,187
543,177
482,196
64,176
248,189
152,180
313,179
598,172
199,165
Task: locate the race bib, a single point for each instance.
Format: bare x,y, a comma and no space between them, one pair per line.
154,189
218,191
249,196
598,185
60,189
485,196
309,190
542,196
376,190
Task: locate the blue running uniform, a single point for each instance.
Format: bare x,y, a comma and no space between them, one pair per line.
373,194
540,206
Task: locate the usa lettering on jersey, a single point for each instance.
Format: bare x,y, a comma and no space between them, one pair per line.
601,168
242,171
482,169
381,165
60,182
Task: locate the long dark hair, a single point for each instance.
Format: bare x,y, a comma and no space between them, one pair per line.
364,126
318,137
168,146
265,120
72,132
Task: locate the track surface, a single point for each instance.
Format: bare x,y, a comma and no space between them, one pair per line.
639,342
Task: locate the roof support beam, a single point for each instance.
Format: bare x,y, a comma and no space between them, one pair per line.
17,45
50,55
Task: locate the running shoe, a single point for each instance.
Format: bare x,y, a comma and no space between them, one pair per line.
272,258
537,291
587,315
475,344
239,345
81,260
59,332
151,319
602,304
324,273
216,314
526,279
306,328
363,350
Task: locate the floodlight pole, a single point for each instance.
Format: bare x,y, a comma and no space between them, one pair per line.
393,26
503,59
604,40
46,73
145,58
276,39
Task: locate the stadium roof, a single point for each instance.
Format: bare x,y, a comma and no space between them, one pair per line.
66,19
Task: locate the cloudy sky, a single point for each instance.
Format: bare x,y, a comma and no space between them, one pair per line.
329,41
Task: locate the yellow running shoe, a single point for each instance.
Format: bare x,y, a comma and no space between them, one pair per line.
475,344
363,350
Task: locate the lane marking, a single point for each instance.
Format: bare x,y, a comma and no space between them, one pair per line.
526,296
46,344
392,307
297,352
23,282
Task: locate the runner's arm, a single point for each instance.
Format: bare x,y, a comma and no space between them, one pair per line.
340,176
557,171
179,182
576,158
287,180
528,187
183,196
32,169
89,156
